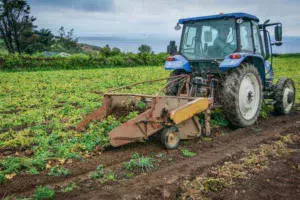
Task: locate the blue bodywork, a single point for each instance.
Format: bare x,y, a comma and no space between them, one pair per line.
264,67
220,16
179,63
229,63
269,71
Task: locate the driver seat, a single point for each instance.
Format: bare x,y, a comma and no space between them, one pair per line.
214,52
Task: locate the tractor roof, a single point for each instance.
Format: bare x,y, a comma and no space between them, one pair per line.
220,16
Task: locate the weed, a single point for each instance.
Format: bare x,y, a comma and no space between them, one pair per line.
58,171
187,153
43,193
207,139
143,163
69,188
97,174
110,176
141,105
129,175
94,175
32,171
2,178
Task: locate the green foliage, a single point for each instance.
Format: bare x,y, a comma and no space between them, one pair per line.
58,171
94,175
48,109
43,193
140,162
42,41
2,178
16,26
141,105
187,153
99,173
129,175
3,49
66,42
144,49
69,188
79,61
110,176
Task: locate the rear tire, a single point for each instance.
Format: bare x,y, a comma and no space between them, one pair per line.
285,96
242,95
174,86
170,137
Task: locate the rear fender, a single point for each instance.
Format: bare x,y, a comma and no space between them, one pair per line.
254,59
179,62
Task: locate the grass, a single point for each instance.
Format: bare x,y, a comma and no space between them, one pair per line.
288,66
187,153
139,162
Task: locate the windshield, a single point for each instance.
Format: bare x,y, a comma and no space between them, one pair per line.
211,39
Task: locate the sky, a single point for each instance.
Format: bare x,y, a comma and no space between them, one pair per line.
152,18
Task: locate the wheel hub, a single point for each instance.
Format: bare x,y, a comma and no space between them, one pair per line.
288,98
249,96
172,138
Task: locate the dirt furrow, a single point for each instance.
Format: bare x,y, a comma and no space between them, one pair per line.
208,154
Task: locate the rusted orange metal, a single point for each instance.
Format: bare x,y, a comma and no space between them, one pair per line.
161,112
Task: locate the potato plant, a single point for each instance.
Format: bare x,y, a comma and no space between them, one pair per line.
39,110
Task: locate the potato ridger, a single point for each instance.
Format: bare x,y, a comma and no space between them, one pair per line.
174,117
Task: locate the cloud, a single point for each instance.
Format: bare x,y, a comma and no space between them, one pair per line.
85,5
133,18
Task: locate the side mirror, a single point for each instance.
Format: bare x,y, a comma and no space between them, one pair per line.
172,48
278,33
208,36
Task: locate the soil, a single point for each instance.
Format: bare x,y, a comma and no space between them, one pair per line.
280,181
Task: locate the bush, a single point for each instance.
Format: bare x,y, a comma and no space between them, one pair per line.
112,58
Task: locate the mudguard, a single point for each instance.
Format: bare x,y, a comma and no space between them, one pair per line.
258,60
229,63
179,62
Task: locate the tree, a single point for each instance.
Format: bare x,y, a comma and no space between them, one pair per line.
67,41
145,49
16,24
41,40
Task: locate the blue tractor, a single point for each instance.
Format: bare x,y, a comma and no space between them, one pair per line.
229,57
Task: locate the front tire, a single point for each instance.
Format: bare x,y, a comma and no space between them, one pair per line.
242,95
285,96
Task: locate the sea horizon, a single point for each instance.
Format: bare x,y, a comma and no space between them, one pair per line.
291,44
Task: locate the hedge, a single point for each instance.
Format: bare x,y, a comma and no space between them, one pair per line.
79,61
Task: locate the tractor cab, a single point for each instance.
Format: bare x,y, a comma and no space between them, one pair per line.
226,39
